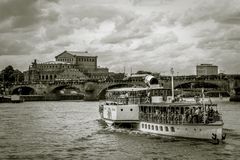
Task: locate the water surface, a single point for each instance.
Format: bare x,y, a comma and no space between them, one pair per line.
72,130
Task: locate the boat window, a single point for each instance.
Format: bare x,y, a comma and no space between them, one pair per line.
172,129
161,128
156,128
166,128
152,127
131,109
121,109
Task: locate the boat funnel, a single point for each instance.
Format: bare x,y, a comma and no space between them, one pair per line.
151,81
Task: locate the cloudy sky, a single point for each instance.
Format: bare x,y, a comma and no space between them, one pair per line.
152,35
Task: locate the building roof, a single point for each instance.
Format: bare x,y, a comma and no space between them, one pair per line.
207,65
55,62
78,53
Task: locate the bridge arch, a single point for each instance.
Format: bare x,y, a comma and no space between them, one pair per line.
237,90
23,90
66,89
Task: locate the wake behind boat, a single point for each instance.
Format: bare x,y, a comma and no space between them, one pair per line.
152,110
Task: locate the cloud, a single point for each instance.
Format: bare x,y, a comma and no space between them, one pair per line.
20,24
225,12
20,15
156,41
223,39
145,34
14,47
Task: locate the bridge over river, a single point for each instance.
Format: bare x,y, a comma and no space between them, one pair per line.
93,90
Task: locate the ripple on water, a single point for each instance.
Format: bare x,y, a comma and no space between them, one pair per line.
80,148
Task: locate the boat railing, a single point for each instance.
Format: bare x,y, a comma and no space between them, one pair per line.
179,118
124,100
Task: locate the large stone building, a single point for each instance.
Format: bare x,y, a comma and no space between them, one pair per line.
68,66
206,69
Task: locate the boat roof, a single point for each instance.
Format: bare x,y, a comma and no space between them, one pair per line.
178,104
135,89
127,89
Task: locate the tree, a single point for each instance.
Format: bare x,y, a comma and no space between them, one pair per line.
143,72
9,76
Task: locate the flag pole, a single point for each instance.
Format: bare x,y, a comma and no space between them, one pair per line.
172,71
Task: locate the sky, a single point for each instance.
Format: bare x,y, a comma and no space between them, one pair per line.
150,35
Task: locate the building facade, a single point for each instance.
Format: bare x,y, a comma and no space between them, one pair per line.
206,69
68,66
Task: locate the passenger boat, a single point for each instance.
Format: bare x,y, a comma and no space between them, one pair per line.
152,110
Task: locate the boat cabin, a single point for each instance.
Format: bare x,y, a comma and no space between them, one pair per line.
179,113
137,95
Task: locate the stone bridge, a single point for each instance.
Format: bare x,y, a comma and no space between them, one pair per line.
90,90
224,83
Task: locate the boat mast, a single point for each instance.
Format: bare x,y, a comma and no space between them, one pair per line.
172,71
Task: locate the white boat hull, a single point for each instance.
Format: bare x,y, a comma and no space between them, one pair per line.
198,131
129,123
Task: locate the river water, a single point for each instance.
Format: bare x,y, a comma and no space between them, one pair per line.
72,130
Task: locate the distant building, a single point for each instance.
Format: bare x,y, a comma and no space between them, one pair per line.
206,69
68,66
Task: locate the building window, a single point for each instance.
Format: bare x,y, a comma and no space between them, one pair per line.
156,128
149,126
166,128
172,129
161,128
146,126
152,127
142,125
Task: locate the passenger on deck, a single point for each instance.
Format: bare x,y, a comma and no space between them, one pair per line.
196,115
210,115
187,113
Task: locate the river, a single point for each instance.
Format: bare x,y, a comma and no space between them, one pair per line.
72,130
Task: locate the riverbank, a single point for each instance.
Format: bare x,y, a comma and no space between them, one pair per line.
235,98
7,99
